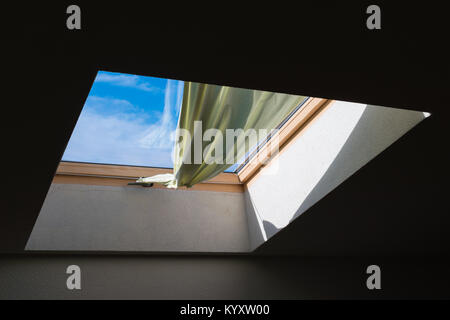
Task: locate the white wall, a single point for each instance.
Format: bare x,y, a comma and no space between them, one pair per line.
333,147
102,218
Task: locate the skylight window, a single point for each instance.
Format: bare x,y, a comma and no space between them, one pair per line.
131,120
127,120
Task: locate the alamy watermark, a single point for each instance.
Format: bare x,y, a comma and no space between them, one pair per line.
373,22
227,147
73,281
373,282
73,21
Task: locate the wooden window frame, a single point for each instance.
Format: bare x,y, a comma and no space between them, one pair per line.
288,132
119,175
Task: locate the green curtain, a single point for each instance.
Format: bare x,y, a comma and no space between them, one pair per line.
221,108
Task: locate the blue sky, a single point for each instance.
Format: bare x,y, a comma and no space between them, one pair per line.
127,119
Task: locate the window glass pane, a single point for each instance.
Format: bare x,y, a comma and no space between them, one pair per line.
131,120
127,119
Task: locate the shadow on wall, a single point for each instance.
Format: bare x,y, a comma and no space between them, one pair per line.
354,153
376,129
270,229
256,230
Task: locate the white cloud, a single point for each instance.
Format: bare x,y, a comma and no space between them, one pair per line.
127,80
118,137
109,106
161,134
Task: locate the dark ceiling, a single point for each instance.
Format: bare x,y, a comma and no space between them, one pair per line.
394,205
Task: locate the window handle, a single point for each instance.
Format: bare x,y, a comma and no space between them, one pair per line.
143,184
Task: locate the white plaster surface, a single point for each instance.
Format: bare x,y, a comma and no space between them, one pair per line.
339,142
333,147
103,218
